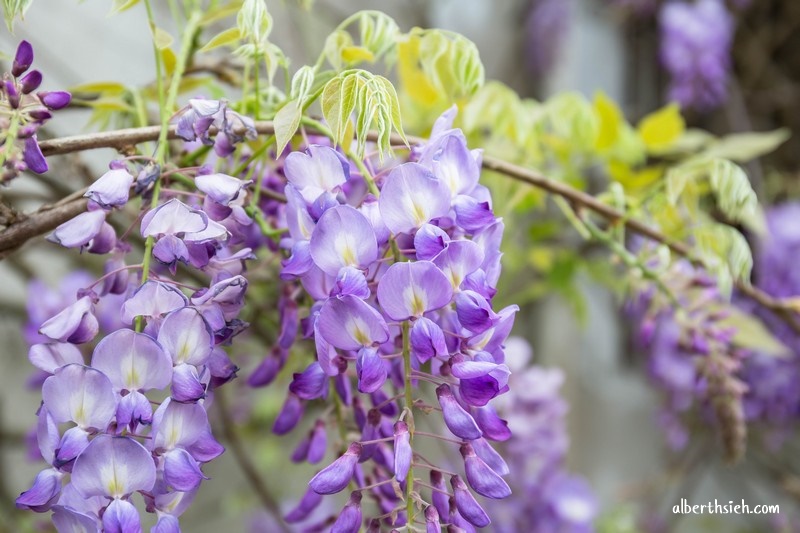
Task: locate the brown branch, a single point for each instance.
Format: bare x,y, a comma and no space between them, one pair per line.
37,224
121,138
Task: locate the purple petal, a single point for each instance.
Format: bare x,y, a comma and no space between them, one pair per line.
351,280
214,231
318,443
80,394
152,300
166,524
459,260
311,384
327,355
289,415
481,477
186,337
427,340
493,338
133,361
454,165
467,506
371,209
266,372
177,424
402,451
181,471
439,497
349,520
74,441
33,156
412,196
206,448
343,237
186,384
55,100
493,427
429,240
30,82
169,250
299,262
472,215
474,312
23,59
458,421
412,289
371,370
113,467
320,169
173,217
78,231
47,435
111,189
304,508
44,492
298,220
67,519
134,408
350,323
104,241
221,188
490,456
221,367
121,517
52,356
337,475
432,524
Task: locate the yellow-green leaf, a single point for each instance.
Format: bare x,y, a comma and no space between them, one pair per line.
161,38
356,54
108,87
660,129
220,12
122,5
742,147
610,119
287,120
228,37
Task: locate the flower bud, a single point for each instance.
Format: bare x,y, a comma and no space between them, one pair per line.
30,82
23,59
458,420
337,475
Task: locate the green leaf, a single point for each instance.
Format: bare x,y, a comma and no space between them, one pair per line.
161,38
662,128
735,196
121,5
751,333
13,9
287,120
224,38
725,253
743,147
107,87
375,102
254,21
220,12
302,83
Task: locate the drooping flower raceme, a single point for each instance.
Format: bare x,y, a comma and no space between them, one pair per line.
23,110
696,39
402,284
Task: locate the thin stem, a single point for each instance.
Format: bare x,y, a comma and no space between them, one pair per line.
438,437
409,401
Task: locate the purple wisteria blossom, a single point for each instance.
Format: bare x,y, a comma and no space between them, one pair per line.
23,111
696,39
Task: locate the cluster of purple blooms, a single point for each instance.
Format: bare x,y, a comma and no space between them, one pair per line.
128,414
398,269
401,272
23,111
693,359
546,494
696,41
766,383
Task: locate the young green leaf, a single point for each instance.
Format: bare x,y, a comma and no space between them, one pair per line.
225,38
13,9
743,147
287,120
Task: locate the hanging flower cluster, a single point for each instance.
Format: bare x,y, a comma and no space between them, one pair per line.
694,359
547,494
106,427
401,272
22,112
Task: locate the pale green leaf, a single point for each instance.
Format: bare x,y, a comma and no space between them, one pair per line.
735,195
13,9
287,120
743,147
107,87
254,21
162,39
224,38
220,12
118,6
302,83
